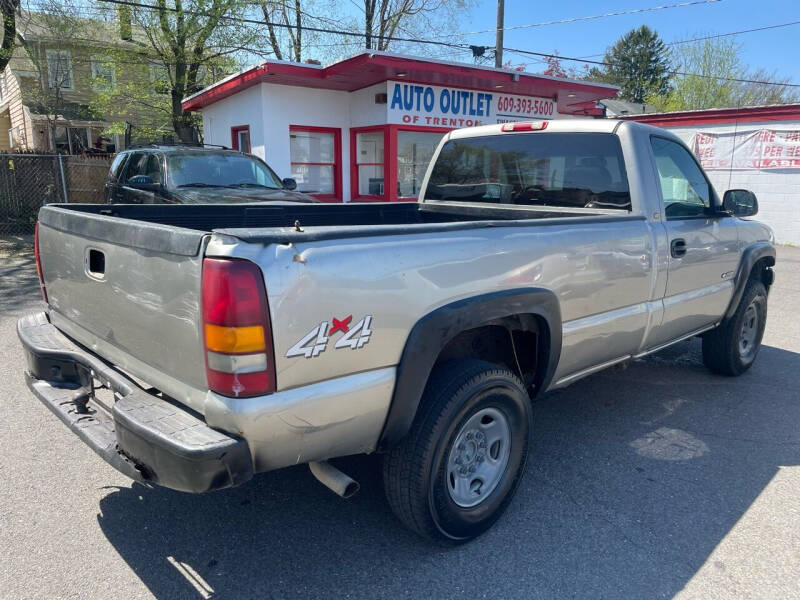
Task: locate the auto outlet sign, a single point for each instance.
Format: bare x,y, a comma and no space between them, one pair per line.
434,106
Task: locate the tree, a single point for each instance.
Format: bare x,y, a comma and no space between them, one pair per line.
385,19
290,19
556,69
8,8
187,38
706,74
639,63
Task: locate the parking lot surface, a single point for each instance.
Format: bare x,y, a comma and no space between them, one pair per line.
657,481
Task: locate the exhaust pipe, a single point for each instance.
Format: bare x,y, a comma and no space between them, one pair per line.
332,478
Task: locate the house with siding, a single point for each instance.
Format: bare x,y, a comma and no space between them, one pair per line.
46,91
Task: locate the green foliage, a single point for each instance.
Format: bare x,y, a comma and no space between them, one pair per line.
192,39
638,63
712,65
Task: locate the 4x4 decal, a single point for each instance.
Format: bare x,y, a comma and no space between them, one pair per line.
316,340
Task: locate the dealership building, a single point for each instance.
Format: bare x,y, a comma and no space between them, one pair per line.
755,148
365,128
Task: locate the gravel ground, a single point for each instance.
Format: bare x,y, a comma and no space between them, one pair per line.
658,481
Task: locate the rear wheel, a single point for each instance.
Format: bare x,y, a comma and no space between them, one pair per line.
455,473
731,348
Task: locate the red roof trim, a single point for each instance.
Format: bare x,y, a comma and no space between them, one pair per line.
720,116
331,77
225,88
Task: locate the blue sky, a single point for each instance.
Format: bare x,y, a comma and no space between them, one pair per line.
775,49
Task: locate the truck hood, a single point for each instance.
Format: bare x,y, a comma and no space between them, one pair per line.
222,195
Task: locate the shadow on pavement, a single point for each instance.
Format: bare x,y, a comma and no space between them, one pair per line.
635,476
19,285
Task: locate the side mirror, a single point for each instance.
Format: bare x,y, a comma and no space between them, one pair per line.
143,182
740,203
289,184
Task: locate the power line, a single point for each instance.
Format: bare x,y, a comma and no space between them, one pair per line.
717,35
284,25
593,17
608,64
440,43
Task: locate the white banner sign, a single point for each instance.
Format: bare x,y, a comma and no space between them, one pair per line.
434,106
761,149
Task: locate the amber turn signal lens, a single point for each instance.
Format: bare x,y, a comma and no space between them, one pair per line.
234,340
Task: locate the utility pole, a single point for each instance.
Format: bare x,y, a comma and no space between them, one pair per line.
498,45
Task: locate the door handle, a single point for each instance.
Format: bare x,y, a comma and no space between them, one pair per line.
677,247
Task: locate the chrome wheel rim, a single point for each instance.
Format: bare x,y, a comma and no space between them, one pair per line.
749,332
478,457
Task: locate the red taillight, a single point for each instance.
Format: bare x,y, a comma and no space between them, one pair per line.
525,126
236,329
38,260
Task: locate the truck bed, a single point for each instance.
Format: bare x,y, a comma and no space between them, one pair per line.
179,229
139,306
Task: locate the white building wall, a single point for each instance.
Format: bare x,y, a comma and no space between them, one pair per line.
363,109
778,190
244,108
285,105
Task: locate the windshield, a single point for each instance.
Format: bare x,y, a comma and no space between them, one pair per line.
219,170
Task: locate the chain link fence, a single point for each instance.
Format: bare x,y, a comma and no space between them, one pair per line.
28,181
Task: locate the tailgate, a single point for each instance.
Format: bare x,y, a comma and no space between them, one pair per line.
130,291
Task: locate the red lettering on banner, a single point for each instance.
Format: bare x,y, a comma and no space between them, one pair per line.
702,139
793,151
765,135
773,151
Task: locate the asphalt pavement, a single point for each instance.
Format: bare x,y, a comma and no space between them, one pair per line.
657,481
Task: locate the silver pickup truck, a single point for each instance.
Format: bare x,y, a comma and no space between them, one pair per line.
193,346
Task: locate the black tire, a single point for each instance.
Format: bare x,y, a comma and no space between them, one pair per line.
722,352
415,471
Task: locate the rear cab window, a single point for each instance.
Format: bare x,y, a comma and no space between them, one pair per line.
576,170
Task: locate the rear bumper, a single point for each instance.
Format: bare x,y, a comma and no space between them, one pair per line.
142,435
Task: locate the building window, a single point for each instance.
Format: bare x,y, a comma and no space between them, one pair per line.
103,76
59,69
159,77
369,163
414,151
70,140
240,138
315,153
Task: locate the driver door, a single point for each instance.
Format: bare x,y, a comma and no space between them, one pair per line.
703,246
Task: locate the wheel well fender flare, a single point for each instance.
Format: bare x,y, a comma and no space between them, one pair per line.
750,257
433,331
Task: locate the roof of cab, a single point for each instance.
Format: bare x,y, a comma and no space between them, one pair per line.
184,148
556,125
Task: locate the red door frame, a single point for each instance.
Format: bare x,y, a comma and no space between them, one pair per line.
389,161
235,136
393,131
336,196
354,195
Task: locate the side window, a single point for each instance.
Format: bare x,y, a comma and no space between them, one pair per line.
684,188
153,169
116,166
137,165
